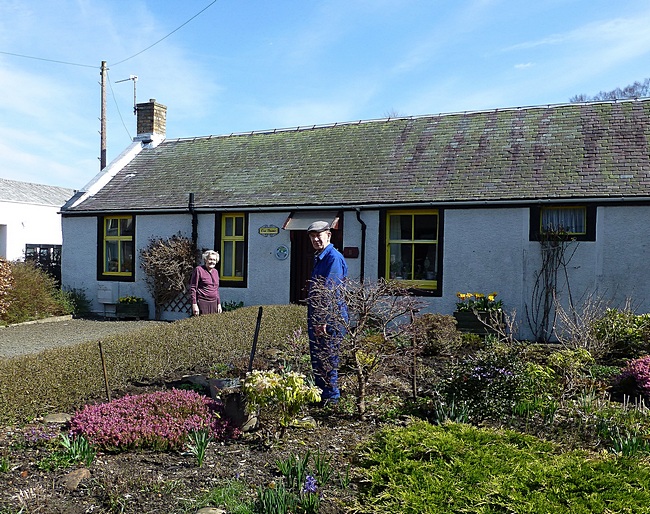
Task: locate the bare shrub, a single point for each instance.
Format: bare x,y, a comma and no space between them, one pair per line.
168,265
575,326
380,313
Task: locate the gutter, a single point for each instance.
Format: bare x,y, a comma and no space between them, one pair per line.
372,206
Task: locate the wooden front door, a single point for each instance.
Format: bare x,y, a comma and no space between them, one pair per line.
302,262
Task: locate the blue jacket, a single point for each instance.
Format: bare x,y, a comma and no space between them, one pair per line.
330,266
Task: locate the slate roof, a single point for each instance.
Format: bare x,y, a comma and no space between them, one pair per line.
572,151
30,193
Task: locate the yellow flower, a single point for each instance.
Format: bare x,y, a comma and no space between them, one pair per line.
491,297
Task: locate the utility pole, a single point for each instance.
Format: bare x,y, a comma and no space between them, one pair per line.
102,154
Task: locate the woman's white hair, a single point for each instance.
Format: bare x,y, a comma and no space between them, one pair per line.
208,253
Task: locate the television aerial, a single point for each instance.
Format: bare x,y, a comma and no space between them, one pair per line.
134,78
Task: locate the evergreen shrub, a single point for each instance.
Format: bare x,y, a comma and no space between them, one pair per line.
34,295
625,333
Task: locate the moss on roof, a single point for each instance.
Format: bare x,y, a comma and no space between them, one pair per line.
569,151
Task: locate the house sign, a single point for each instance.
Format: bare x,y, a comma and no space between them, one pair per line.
281,252
269,230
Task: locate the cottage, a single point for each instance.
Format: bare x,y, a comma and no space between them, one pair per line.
445,203
30,223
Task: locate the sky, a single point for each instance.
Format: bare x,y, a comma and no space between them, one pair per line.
230,66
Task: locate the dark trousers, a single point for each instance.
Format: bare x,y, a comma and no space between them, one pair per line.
324,352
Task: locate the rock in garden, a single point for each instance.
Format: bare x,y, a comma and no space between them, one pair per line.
72,480
210,510
58,417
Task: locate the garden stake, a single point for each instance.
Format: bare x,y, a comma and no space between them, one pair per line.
257,333
108,391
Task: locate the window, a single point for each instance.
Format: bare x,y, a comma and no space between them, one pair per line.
570,220
233,246
117,252
575,221
412,248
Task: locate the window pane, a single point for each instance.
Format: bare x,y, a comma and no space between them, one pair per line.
426,227
239,226
239,259
570,220
425,261
127,256
112,226
229,230
126,227
112,256
228,259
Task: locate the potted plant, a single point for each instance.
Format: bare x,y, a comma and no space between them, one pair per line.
222,376
132,307
478,312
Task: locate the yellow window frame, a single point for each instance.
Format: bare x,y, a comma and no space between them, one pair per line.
420,283
231,240
118,239
581,208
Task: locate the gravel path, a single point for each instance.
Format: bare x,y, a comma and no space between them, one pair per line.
33,337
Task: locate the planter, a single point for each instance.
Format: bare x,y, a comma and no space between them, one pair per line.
217,385
475,322
138,310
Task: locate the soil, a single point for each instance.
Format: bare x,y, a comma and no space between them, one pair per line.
171,482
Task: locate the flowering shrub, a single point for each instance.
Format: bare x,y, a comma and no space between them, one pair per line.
635,377
130,299
161,420
281,394
478,302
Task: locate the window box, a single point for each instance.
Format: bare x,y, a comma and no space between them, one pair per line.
139,310
478,322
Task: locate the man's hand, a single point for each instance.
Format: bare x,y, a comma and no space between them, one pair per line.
320,330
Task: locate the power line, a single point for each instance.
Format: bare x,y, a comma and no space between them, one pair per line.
49,60
119,62
163,38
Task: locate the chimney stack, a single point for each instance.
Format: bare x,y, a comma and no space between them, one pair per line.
152,120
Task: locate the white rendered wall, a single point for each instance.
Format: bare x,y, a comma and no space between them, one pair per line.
24,224
484,250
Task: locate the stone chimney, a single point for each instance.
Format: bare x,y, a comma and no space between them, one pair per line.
152,120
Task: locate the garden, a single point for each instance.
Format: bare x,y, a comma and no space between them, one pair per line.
431,419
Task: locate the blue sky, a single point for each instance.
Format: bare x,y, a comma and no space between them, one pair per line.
247,65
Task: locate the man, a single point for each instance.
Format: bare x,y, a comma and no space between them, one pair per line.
326,313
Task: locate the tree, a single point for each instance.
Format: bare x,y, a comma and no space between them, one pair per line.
168,265
636,90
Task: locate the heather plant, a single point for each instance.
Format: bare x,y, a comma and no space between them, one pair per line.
33,295
161,420
634,380
279,396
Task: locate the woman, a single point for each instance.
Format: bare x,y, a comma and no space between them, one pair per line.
204,286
